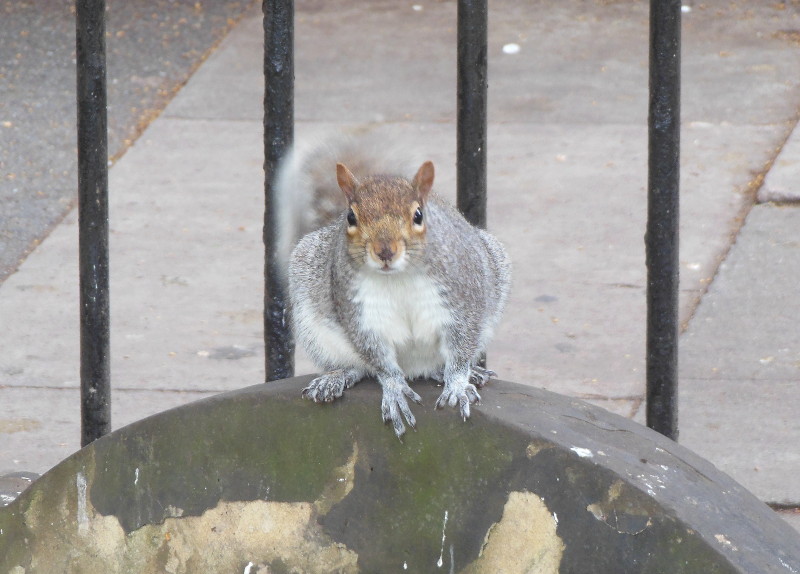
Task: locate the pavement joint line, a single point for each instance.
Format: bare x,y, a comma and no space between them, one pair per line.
739,379
784,507
750,195
594,397
784,203
182,118
126,389
149,116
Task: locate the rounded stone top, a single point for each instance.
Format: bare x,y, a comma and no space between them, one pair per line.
260,480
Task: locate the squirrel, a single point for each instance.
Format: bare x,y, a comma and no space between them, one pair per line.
388,280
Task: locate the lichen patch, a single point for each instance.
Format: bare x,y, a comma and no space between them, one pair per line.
223,539
536,446
258,531
340,484
523,541
624,516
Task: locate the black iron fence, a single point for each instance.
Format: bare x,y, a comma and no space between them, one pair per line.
278,136
663,192
664,124
93,219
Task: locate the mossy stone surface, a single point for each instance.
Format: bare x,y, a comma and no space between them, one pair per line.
261,479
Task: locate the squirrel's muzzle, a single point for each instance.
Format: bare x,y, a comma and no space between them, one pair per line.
387,254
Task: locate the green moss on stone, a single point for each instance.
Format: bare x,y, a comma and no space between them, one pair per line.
231,451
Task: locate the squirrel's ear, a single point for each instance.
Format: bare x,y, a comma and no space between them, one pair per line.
423,181
347,181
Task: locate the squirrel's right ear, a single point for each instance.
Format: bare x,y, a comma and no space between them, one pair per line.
347,181
423,181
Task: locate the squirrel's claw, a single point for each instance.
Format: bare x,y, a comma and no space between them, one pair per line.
329,387
479,376
462,395
394,406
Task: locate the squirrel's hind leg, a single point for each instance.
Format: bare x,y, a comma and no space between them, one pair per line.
330,386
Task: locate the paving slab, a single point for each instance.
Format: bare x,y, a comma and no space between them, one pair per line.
358,63
740,360
153,46
171,314
792,517
750,314
569,202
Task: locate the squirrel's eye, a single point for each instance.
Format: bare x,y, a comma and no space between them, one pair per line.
418,216
351,218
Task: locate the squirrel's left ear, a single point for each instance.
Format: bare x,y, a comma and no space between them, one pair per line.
347,181
423,181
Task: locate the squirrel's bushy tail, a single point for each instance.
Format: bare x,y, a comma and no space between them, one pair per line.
308,196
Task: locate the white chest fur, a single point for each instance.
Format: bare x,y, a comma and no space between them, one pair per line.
407,312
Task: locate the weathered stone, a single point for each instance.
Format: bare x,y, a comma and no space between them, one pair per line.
260,480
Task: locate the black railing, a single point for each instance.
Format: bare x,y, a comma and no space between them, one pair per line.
278,136
93,218
662,226
471,114
664,121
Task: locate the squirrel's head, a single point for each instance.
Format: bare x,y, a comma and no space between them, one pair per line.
386,217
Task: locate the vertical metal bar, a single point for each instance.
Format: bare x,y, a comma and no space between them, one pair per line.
278,136
663,217
93,219
472,99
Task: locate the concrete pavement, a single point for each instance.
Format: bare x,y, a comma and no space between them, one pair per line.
567,184
153,46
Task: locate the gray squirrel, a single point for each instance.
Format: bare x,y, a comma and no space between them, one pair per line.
387,280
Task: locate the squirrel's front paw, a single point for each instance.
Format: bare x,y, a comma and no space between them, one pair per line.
394,406
462,394
479,376
330,386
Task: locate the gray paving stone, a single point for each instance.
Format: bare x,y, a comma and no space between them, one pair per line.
740,360
152,48
174,303
746,326
792,517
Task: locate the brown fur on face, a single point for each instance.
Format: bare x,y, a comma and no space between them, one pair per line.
384,210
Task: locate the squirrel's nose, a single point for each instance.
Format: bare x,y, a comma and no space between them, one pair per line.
386,253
